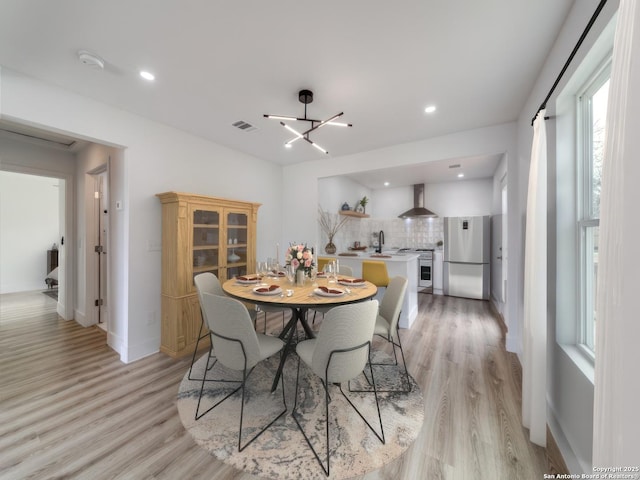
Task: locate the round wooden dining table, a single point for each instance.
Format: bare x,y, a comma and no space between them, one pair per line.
299,298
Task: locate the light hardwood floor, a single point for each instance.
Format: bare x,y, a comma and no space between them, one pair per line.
70,409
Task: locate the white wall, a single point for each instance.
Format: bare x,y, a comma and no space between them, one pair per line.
156,158
457,199
29,227
334,191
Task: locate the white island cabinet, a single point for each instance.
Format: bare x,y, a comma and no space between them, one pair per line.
405,265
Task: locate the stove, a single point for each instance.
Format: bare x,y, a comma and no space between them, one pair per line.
425,265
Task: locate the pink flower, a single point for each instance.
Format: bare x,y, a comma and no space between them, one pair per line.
295,263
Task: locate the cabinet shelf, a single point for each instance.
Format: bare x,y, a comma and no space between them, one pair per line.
351,213
205,225
236,264
205,268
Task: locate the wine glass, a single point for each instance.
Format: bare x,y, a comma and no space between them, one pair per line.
329,270
274,268
263,269
291,273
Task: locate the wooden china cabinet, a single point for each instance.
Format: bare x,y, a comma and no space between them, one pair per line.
199,234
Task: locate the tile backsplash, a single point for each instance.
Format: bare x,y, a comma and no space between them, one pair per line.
398,233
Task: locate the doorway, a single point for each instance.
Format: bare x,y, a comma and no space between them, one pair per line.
33,225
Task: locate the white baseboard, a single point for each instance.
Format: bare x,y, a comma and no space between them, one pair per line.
568,455
81,318
141,350
116,343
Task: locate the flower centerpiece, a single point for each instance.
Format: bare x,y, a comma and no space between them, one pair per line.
330,225
300,257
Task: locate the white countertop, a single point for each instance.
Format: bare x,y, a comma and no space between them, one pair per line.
387,257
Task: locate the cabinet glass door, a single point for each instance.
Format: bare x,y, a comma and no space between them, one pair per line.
206,241
237,230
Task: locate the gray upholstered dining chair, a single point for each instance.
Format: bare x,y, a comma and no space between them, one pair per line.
387,326
209,283
238,347
339,354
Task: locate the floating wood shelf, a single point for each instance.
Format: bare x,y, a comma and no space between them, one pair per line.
351,213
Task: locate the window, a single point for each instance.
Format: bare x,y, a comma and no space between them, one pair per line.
592,114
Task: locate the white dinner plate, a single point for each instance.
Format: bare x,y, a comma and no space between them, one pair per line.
248,282
275,291
322,293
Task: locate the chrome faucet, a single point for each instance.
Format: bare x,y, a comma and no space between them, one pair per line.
380,241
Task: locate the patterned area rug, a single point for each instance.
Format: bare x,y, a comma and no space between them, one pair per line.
281,452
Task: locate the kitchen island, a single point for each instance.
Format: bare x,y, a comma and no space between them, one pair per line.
402,264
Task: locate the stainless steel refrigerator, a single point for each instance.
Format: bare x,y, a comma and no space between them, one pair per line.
467,248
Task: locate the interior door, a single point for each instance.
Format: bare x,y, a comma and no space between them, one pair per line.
102,216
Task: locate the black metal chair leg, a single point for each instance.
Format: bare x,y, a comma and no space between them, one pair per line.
327,399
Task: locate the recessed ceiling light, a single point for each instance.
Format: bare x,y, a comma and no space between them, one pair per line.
430,109
460,175
147,75
386,184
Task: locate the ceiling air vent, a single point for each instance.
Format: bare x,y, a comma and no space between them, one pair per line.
242,125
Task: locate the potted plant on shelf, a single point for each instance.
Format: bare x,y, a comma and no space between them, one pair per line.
330,224
363,203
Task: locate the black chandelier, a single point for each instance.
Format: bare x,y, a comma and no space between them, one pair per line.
306,97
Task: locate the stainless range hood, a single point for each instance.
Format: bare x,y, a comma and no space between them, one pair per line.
418,210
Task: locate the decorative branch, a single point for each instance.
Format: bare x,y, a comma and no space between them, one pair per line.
330,224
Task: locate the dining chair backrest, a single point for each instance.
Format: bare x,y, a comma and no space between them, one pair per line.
227,317
322,261
375,271
345,270
209,283
344,327
392,301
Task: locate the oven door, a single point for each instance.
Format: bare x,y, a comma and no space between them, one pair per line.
425,268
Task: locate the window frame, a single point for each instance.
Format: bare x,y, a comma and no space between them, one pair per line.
586,219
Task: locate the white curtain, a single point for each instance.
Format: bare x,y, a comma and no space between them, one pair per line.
617,381
534,366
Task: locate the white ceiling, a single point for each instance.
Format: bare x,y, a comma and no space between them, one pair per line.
472,168
217,62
